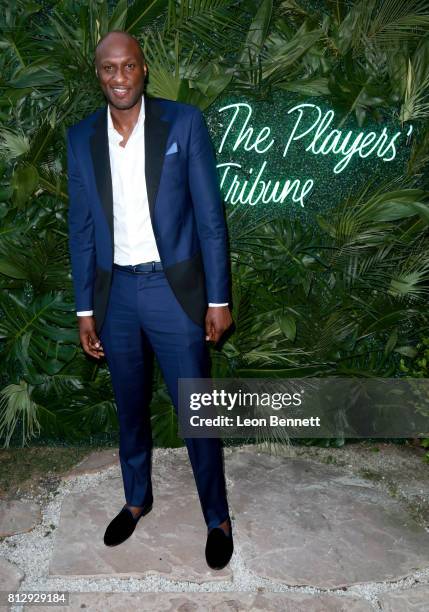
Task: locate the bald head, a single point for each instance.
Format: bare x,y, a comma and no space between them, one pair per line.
121,69
117,38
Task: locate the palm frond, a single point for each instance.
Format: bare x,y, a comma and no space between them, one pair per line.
13,144
416,98
16,405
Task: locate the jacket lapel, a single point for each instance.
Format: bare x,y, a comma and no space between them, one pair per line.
155,135
99,145
155,141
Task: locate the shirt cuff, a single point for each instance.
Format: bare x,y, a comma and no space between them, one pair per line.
212,304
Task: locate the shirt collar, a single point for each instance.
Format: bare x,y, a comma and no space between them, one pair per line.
137,128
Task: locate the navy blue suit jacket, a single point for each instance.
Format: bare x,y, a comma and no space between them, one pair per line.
184,201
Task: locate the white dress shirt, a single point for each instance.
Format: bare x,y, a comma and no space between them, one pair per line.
134,240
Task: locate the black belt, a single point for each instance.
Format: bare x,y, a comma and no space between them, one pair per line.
141,268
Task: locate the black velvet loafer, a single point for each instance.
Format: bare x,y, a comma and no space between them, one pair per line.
219,547
123,525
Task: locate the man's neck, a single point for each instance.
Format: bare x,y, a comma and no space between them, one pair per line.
124,120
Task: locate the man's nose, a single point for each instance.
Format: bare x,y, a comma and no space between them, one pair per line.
119,77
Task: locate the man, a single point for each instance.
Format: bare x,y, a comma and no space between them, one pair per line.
148,251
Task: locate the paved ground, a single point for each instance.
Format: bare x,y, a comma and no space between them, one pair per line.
315,530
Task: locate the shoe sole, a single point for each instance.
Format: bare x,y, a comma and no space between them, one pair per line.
122,541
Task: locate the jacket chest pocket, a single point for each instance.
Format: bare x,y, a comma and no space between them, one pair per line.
174,167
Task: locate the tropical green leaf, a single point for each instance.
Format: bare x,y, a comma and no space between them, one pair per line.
257,32
416,95
24,182
288,326
118,17
14,145
142,13
17,406
9,269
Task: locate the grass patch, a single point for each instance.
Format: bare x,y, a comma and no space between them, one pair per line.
22,468
371,475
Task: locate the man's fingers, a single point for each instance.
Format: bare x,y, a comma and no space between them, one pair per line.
209,330
214,334
218,320
89,339
217,335
95,341
92,345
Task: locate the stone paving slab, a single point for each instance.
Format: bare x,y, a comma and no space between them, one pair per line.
10,576
409,600
95,462
169,541
210,602
296,522
18,516
302,523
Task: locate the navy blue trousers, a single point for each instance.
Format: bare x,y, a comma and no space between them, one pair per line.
144,318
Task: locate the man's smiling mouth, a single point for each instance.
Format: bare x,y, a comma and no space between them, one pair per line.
120,91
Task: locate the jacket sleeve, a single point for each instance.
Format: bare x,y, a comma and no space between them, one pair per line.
208,210
81,235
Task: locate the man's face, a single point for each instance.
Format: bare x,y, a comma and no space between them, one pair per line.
121,71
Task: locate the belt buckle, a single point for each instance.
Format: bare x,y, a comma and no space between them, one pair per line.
134,268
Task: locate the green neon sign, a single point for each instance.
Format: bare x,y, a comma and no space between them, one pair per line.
288,152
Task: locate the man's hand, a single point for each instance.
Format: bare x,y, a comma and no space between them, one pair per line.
218,320
90,342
